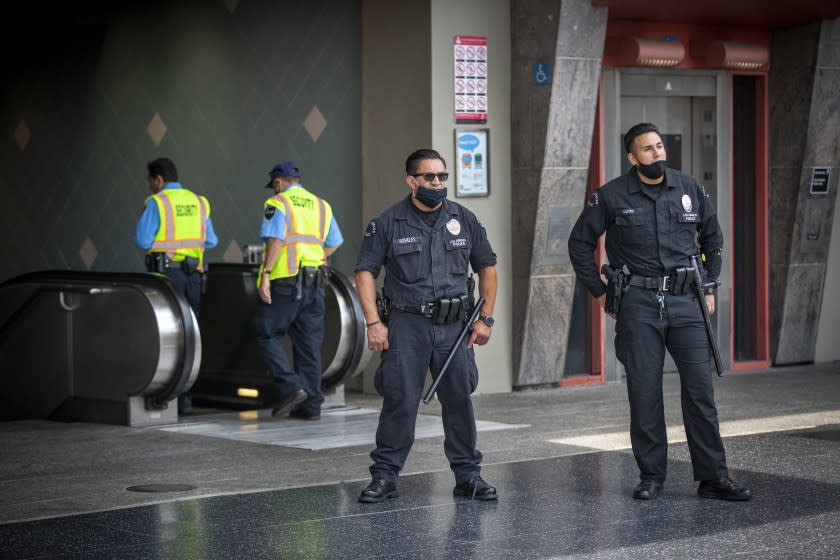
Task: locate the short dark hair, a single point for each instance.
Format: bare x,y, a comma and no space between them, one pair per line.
164,167
638,130
413,161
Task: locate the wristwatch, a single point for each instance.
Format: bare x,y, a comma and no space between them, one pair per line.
709,291
487,320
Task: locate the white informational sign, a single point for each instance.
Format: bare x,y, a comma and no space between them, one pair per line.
472,162
470,54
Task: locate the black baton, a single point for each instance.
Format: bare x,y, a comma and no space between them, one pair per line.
701,298
467,328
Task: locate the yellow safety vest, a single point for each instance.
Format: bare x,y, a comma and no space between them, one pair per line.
183,224
308,220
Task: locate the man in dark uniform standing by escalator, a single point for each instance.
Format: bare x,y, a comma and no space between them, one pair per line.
426,244
656,219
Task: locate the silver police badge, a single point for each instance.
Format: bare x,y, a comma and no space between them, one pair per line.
453,226
686,202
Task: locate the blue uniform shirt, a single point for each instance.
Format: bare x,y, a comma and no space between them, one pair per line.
425,263
149,224
276,227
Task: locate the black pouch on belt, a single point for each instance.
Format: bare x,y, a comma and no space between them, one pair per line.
448,310
442,311
299,285
322,277
310,275
157,262
680,281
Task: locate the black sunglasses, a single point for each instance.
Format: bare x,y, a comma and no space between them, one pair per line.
429,177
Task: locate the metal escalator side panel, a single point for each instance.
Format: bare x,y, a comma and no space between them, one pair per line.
172,336
337,306
352,354
180,347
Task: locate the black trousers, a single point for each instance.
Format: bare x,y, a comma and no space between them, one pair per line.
640,342
188,284
416,346
303,321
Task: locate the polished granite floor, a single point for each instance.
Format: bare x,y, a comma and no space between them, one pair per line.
575,503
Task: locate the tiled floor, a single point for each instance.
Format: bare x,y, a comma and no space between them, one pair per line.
343,427
564,478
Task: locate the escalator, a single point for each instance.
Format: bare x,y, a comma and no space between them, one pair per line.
113,348
118,348
233,374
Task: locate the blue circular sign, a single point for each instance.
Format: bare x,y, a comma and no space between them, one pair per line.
468,142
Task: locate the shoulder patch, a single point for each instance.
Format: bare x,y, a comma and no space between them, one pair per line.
371,229
593,200
269,212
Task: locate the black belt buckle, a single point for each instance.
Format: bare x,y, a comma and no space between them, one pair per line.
428,309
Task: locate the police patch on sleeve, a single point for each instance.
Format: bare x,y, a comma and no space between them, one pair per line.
593,200
371,229
269,212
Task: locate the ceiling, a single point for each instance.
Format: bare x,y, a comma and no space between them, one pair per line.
768,14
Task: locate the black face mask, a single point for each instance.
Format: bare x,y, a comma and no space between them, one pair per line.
429,197
654,170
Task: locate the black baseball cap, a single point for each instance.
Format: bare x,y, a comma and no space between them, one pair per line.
282,169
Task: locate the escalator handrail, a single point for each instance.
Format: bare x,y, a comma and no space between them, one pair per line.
358,318
68,280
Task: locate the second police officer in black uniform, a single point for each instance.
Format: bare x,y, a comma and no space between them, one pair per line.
655,219
426,244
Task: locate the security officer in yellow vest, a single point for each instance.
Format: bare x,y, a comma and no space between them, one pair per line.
175,229
299,232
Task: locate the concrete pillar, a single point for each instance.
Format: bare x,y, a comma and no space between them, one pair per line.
810,105
550,171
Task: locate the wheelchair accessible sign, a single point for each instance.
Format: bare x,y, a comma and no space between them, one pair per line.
542,73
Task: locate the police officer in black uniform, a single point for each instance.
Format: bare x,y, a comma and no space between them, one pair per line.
655,219
426,244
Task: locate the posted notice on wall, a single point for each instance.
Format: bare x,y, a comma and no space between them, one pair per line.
470,54
472,162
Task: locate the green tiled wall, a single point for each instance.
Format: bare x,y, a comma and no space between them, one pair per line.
233,82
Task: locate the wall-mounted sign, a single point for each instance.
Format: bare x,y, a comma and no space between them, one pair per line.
470,54
542,73
472,162
819,180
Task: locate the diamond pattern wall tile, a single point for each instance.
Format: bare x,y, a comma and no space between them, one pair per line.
156,130
88,253
236,100
315,123
233,253
22,135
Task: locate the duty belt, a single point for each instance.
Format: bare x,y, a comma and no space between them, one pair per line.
659,283
442,312
426,310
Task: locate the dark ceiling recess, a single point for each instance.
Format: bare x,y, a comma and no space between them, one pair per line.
768,14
